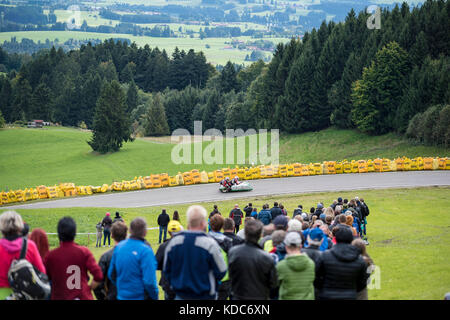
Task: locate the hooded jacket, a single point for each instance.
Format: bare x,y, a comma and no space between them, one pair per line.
10,250
342,273
265,216
296,277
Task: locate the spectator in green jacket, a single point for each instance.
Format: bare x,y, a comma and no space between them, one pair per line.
296,272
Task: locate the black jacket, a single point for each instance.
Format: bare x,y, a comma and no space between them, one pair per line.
341,273
275,212
297,212
248,211
160,260
252,272
316,255
106,223
163,219
235,239
106,290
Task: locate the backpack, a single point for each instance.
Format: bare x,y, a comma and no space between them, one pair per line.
26,281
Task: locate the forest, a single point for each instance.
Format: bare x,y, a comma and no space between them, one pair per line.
392,79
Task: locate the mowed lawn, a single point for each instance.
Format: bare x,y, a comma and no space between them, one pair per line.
32,157
408,230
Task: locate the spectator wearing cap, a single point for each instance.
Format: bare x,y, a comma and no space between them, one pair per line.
342,270
315,239
133,266
251,269
163,221
193,262
118,218
296,272
106,289
173,227
106,224
319,210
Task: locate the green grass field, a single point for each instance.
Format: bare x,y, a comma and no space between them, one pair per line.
408,230
31,157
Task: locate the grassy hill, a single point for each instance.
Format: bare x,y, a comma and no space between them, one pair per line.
31,157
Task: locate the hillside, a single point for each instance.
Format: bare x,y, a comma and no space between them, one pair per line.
31,157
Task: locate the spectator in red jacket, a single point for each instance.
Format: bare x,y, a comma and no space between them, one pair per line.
68,265
11,227
39,237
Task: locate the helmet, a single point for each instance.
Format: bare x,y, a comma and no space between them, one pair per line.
236,177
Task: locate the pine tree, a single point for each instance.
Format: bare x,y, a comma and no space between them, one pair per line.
111,125
41,103
132,96
155,121
228,79
375,96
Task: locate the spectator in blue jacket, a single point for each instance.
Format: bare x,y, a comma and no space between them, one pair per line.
133,266
193,261
264,215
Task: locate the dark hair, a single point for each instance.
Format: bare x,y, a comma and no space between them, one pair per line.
176,216
345,200
228,224
253,230
250,204
342,218
26,229
275,204
216,222
215,206
119,231
67,229
138,228
312,210
343,234
117,214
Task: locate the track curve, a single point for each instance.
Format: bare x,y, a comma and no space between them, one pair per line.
263,187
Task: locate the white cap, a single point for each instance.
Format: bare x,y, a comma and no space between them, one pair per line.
293,239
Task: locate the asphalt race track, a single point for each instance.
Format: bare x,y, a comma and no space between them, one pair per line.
264,187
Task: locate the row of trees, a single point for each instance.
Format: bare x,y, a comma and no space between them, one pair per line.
341,74
64,87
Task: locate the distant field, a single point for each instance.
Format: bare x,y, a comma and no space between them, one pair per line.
408,230
216,54
31,157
